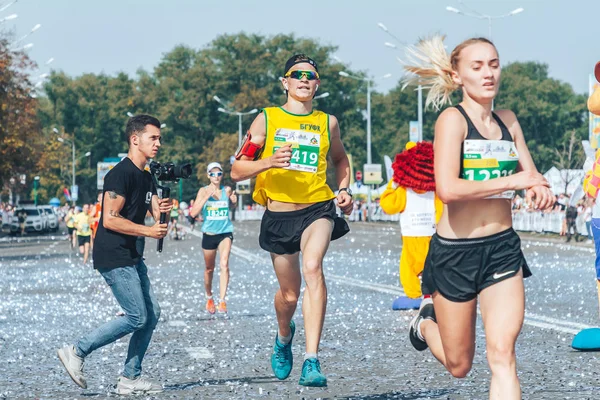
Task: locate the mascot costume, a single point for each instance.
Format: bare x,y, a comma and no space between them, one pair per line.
589,339
411,193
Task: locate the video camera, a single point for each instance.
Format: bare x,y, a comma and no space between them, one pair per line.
167,172
170,172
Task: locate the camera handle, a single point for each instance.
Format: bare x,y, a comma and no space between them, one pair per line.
163,193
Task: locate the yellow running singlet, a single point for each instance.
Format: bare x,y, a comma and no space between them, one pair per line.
304,181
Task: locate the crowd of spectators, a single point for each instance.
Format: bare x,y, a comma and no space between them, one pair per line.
576,217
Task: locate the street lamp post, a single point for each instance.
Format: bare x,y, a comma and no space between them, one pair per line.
419,87
8,5
8,18
63,140
36,183
226,110
35,28
369,160
476,14
240,115
26,47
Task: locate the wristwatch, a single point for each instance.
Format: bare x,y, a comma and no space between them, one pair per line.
347,190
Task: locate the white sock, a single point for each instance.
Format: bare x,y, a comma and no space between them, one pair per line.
284,339
309,355
419,334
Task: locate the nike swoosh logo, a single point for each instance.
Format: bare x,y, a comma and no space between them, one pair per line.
498,276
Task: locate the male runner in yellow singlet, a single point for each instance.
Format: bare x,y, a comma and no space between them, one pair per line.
286,150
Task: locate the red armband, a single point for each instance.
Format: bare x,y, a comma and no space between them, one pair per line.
249,149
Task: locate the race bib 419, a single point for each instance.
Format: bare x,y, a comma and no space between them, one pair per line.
305,148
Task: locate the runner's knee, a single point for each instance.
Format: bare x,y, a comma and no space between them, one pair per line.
224,264
312,268
501,355
459,368
290,296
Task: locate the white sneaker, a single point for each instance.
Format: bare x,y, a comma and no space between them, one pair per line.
137,386
73,364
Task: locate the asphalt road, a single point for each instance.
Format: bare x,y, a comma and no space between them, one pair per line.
50,299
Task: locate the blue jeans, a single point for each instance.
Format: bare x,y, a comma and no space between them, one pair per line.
131,287
596,232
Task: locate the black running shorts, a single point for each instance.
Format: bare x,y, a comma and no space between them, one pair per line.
83,240
280,232
211,242
459,269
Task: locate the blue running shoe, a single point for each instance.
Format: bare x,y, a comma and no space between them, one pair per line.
311,374
282,359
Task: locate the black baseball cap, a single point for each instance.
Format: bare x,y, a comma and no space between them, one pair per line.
299,59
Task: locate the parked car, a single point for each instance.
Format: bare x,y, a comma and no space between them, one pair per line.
52,218
34,221
6,220
45,227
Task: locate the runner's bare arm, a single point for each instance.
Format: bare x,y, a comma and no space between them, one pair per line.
450,131
231,195
541,195
338,154
201,199
246,168
342,165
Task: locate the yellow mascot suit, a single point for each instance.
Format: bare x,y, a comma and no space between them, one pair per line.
411,193
589,339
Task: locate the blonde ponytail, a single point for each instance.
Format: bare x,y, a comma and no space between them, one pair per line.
429,65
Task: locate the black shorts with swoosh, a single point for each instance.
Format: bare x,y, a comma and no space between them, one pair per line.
459,269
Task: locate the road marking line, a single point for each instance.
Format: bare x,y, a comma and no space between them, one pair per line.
366,285
199,353
544,325
177,323
531,319
557,321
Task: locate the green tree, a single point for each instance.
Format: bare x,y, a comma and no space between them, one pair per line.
19,126
546,109
244,70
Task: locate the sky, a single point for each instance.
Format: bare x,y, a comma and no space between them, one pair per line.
111,36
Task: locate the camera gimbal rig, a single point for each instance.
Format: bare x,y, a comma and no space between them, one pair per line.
167,172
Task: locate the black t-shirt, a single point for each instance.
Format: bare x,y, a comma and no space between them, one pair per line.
113,249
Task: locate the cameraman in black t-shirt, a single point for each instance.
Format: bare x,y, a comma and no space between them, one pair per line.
128,194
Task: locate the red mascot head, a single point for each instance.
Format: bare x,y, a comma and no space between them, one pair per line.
413,168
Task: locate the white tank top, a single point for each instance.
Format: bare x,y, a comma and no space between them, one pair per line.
418,217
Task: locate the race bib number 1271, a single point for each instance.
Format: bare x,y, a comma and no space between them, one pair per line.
489,159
